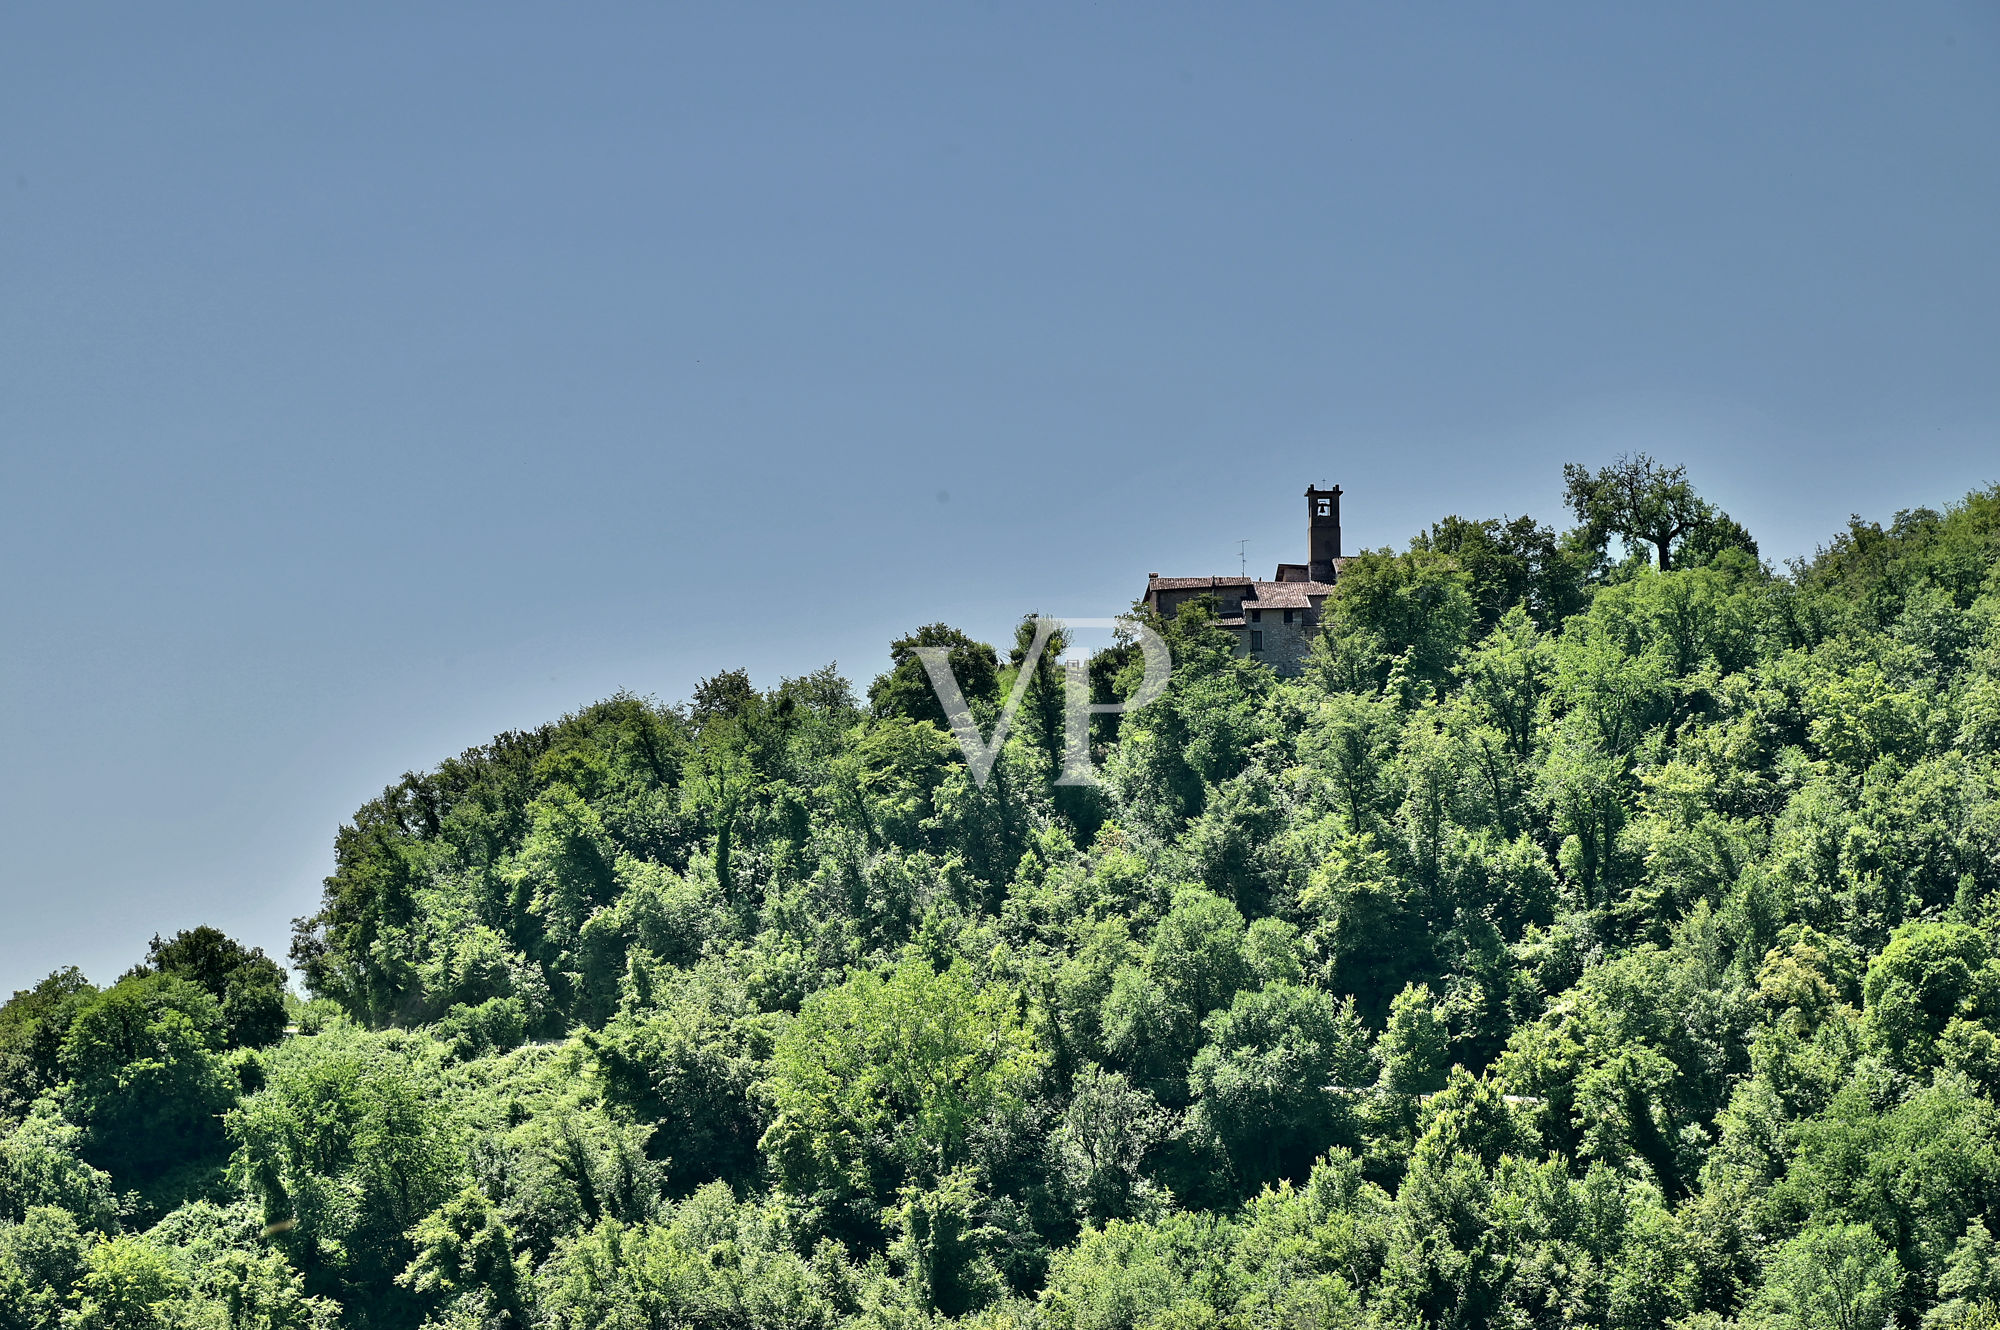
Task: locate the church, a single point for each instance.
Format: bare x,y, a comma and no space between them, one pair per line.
1273,621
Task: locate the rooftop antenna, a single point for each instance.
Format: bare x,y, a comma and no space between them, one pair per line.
1242,558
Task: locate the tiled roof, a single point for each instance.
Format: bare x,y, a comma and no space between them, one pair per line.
1195,583
1286,595
1256,595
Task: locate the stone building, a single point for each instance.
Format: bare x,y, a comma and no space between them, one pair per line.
1273,621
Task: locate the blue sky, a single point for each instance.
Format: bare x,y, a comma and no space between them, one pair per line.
375,378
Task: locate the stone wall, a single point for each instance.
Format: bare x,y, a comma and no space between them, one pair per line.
1286,645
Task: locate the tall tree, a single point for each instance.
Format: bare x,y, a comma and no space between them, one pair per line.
1638,499
249,985
906,689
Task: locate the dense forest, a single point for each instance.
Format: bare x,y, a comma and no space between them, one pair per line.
1600,933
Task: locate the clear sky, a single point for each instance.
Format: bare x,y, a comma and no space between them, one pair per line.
374,378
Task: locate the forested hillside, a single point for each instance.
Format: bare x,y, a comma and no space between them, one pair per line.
1602,933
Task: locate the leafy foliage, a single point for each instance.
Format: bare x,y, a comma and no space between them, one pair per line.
1575,943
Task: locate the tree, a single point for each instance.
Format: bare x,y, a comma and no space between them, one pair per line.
1833,1277
33,1025
145,1076
1368,934
1927,975
129,1283
720,776
1233,842
1100,1147
1415,608
1973,1275
1511,563
1152,1018
1507,676
713,1262
1040,719
941,1243
1127,1275
686,1066
728,695
41,1167
1638,499
905,690
1261,1086
881,1082
890,775
1415,1055
1199,733
347,1147
249,985
41,1258
465,1252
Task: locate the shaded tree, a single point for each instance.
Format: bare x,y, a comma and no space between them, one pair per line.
249,985
1639,500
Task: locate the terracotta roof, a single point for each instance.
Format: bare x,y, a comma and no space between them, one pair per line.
1196,583
1286,595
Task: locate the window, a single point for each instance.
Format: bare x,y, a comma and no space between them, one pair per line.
1326,508
1256,639
1256,616
1288,616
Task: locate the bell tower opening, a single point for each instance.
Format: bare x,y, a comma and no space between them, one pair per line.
1322,531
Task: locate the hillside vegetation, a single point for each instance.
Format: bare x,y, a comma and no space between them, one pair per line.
1601,933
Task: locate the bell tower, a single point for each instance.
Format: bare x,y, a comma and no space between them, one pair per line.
1322,531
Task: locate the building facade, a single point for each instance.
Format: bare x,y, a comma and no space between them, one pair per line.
1273,621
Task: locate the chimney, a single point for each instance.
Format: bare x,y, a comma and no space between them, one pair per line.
1322,532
